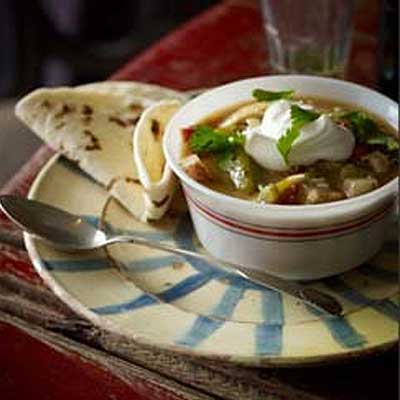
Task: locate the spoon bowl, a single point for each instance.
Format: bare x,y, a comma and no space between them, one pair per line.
62,229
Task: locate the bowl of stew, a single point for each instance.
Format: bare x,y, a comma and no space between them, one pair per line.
294,175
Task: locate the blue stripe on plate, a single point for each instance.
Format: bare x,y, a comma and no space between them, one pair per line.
96,264
184,287
341,329
228,302
268,335
386,307
268,339
141,301
152,263
272,307
202,328
176,292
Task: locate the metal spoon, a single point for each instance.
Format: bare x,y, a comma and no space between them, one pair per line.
71,232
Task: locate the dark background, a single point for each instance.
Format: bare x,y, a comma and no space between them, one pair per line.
53,42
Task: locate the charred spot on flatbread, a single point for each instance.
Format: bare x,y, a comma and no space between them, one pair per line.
160,203
155,129
92,146
87,119
112,182
134,107
94,141
131,180
87,110
46,104
132,121
118,121
65,109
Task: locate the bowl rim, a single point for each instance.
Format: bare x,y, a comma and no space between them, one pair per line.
381,192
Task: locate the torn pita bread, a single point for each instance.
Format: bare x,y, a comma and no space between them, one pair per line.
92,125
154,174
144,93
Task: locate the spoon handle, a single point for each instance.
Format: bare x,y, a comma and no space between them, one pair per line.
310,296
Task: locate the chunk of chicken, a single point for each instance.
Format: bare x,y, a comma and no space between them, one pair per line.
195,168
378,161
247,111
317,195
355,187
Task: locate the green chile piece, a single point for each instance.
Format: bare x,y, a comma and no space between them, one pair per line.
241,169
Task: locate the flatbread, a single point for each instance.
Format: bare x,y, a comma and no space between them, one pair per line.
154,174
92,125
146,94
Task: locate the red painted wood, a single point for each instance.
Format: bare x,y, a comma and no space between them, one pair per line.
33,370
17,263
220,45
30,369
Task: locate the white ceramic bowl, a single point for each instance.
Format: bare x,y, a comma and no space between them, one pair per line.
294,242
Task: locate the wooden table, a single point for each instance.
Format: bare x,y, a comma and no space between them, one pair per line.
48,352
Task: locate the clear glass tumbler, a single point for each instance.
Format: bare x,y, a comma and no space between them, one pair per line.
308,36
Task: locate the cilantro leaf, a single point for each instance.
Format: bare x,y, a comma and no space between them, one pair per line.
299,117
360,124
265,95
207,139
367,131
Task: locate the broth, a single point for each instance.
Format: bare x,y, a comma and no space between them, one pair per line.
370,166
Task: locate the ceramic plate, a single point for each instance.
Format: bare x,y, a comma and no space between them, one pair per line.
187,306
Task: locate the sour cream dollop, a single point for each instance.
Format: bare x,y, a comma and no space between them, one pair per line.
321,139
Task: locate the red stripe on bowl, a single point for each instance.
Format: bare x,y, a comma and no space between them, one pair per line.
286,233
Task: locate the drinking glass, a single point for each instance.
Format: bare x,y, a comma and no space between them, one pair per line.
308,36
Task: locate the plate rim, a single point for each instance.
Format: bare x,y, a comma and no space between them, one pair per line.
245,360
